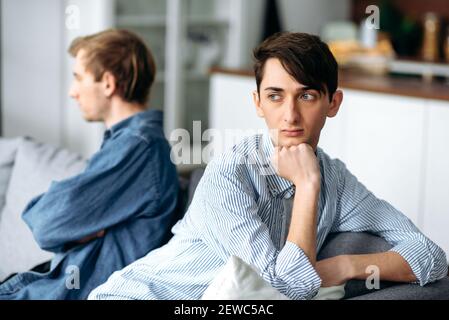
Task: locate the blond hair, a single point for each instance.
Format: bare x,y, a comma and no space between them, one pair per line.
123,54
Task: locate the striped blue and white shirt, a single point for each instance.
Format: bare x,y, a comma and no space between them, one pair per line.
242,208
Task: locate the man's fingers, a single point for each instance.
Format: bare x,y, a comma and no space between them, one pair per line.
100,234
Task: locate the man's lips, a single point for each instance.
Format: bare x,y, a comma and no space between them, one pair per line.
293,132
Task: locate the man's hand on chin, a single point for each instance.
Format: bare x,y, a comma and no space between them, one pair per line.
334,271
297,164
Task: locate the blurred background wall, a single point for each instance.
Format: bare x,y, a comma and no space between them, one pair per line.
36,69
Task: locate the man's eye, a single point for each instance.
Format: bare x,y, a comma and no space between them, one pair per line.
307,96
274,97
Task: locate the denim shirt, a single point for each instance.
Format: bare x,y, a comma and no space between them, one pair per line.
129,189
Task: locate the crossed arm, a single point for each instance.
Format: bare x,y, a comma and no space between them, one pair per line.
81,208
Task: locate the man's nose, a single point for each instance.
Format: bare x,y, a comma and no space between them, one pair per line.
291,114
73,93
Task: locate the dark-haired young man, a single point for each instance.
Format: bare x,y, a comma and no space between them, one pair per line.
241,206
123,204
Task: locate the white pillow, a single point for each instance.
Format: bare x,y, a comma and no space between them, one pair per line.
330,293
35,167
8,148
239,281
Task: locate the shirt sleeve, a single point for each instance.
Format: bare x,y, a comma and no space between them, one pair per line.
358,210
231,225
115,186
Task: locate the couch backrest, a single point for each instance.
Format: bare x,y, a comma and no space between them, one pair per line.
195,178
8,149
187,187
36,165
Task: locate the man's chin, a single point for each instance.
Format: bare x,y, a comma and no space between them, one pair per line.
289,142
88,118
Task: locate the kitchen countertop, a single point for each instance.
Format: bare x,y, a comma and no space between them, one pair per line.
403,86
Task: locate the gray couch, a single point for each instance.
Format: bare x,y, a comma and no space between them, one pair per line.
353,243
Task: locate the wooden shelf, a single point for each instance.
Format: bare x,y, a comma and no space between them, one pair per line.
420,68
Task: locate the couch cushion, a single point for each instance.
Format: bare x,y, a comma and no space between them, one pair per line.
355,243
352,243
36,166
8,148
195,178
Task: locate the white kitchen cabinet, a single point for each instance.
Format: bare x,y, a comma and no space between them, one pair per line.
436,191
232,103
333,135
380,138
399,148
384,144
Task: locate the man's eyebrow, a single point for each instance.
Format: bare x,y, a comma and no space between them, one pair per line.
305,88
274,89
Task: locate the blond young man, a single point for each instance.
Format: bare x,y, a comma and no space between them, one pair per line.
123,204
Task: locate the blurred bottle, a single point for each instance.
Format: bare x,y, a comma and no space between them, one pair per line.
431,36
367,35
446,45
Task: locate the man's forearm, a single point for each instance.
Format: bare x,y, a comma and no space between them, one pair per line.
392,266
302,230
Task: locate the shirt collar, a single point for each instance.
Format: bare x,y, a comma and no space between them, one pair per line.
136,120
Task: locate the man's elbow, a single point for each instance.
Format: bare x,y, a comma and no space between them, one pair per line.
45,238
439,266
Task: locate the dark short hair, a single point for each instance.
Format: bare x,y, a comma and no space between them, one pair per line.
304,56
125,55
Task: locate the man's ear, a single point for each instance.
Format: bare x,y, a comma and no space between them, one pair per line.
335,104
109,84
256,100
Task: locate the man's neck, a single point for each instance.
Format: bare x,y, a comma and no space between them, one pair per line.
121,110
